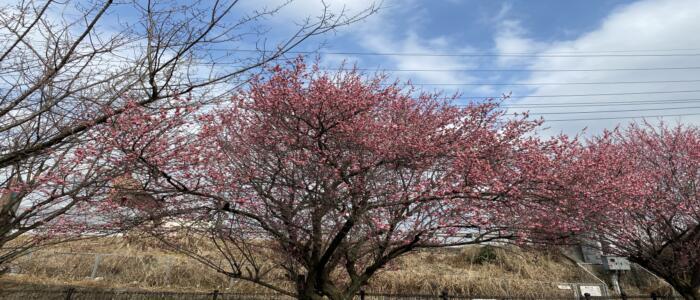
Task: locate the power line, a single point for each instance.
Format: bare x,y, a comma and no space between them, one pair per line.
603,103
555,83
580,95
238,65
619,118
438,52
614,111
633,50
517,70
531,83
235,65
454,54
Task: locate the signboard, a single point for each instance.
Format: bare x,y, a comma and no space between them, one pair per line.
564,287
615,263
592,290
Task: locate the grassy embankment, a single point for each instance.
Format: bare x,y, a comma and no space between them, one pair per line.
471,270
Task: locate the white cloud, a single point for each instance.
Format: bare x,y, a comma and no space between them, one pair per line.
412,43
511,37
644,25
383,34
299,10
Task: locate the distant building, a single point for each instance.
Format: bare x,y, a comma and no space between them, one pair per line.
128,192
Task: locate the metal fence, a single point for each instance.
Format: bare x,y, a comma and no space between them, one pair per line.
112,269
73,294
84,294
94,260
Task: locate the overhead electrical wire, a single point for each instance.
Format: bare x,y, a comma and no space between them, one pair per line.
519,70
463,54
555,83
620,118
532,83
564,54
435,52
580,95
611,111
380,69
602,103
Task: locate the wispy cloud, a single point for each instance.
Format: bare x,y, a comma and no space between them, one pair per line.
644,25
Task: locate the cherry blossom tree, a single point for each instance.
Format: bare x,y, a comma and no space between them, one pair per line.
68,66
634,191
658,225
310,182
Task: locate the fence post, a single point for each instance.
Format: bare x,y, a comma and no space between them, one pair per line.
653,296
362,294
94,267
29,260
69,293
167,270
444,296
215,294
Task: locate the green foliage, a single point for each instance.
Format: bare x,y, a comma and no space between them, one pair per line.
487,254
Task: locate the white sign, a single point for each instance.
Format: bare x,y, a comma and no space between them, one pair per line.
592,290
564,287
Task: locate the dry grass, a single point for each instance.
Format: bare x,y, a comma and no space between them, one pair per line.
472,270
503,271
481,271
121,266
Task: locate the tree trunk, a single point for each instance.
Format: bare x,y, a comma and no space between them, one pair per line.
690,295
306,289
688,292
311,293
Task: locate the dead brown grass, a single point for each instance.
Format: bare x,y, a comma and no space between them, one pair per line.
471,270
510,271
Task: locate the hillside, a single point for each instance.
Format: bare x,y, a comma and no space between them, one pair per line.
474,270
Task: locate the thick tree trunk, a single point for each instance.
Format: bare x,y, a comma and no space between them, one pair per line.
312,293
316,295
308,294
689,290
328,295
306,290
690,295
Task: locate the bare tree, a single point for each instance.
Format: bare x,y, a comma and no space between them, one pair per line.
66,67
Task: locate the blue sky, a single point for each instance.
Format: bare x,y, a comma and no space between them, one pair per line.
580,65
474,23
558,35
